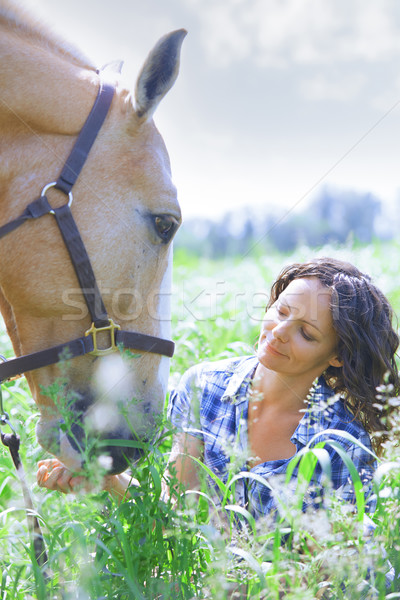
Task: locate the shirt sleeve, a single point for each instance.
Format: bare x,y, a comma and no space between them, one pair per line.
185,401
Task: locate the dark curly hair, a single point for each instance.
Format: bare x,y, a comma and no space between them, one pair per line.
362,319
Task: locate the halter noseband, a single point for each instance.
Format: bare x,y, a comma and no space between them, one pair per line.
87,344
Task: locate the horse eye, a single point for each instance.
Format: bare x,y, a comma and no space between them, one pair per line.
165,227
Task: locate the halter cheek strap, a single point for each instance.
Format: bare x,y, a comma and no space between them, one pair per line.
87,344
79,153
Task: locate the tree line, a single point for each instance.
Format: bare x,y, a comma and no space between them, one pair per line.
333,216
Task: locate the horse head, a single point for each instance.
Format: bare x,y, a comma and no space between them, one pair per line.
126,210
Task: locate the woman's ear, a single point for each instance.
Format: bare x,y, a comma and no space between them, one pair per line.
335,362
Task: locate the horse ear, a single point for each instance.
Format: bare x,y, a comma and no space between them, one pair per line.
158,73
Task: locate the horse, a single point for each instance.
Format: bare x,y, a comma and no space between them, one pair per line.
122,215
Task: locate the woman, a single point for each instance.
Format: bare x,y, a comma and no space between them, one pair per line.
327,330
325,323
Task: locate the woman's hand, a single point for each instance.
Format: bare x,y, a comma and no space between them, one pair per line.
53,475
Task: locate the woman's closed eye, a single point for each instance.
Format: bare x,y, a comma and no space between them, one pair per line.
306,336
282,311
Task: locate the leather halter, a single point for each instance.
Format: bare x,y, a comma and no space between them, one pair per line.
87,344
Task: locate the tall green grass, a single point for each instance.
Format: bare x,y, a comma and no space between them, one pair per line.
147,546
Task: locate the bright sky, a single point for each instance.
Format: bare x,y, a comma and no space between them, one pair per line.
274,98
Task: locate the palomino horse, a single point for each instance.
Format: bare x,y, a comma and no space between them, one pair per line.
125,209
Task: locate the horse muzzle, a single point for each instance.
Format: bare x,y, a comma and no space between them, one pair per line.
100,434
113,451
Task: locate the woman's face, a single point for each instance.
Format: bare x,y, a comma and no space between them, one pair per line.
297,335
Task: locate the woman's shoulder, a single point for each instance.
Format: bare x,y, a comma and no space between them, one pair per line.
331,413
224,365
219,370
228,365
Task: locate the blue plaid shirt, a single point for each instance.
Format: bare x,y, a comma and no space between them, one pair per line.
212,402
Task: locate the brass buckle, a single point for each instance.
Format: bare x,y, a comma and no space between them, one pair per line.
93,331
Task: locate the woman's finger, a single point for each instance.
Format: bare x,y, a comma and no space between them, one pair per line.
42,475
63,481
50,481
50,463
58,480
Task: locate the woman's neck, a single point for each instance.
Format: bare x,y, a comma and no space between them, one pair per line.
276,391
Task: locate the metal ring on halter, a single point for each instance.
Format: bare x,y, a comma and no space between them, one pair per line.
53,184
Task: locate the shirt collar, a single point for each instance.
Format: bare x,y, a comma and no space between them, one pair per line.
242,373
322,411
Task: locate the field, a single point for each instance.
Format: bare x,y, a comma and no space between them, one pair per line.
145,548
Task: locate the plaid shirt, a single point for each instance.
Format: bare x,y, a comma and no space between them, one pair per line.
211,402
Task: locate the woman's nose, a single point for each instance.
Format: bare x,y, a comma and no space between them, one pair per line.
280,331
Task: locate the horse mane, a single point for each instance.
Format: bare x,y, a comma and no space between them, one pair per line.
18,19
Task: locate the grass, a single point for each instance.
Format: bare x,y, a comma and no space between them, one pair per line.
147,548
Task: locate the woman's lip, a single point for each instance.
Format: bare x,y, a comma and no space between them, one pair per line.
273,350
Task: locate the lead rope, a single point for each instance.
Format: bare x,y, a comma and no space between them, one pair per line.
12,442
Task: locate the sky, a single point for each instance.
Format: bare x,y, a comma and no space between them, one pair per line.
275,98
